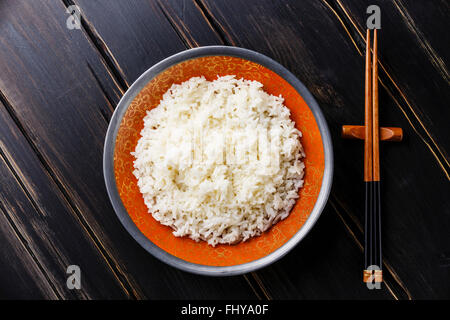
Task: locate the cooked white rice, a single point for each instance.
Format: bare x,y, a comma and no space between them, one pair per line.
219,160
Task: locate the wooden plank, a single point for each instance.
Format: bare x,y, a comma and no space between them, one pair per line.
152,38
21,276
60,91
187,15
310,40
191,23
45,224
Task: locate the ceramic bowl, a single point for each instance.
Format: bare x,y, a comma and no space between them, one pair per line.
124,132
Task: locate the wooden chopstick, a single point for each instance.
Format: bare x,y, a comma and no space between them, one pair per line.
376,160
375,127
368,159
372,238
368,115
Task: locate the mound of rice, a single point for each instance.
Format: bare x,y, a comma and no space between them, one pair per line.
219,160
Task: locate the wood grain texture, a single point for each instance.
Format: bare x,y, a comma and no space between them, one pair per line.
152,37
191,23
21,277
60,90
42,219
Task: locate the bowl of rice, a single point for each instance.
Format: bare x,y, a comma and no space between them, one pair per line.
218,160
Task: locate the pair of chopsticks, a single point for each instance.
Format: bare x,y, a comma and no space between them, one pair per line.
372,241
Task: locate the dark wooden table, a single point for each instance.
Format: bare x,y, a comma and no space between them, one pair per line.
59,88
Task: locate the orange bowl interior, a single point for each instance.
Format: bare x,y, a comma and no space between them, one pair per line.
200,252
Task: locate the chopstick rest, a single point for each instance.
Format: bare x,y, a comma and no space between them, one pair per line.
393,134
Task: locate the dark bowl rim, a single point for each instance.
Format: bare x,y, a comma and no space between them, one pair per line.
108,160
